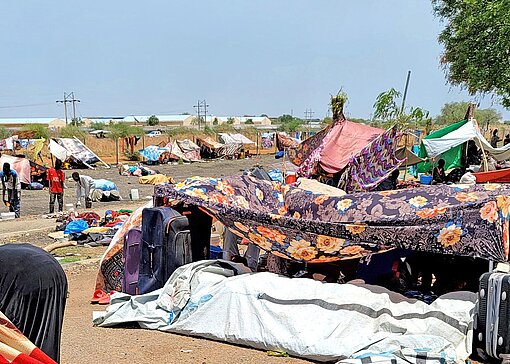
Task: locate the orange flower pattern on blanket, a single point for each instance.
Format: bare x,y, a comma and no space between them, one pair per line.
489,212
466,197
426,213
301,225
449,235
328,244
271,234
301,250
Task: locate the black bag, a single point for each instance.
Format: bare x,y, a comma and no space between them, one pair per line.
260,173
491,325
166,245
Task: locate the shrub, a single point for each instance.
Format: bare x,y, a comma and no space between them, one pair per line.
39,131
72,131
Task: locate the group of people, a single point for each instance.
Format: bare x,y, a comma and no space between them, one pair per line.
495,139
11,188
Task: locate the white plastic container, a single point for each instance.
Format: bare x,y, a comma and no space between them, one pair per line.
133,195
7,216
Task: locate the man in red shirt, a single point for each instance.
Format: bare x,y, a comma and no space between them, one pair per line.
56,178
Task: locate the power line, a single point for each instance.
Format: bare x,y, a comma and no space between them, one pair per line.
26,105
69,98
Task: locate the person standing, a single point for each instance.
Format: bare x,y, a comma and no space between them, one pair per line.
84,187
495,138
12,185
506,140
56,178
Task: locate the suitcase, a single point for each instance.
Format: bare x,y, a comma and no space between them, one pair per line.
131,252
491,320
200,226
166,245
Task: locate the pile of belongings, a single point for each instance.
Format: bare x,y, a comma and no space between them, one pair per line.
104,191
136,170
89,228
155,179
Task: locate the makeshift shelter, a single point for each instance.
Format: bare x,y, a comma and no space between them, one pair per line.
28,171
153,153
74,151
235,139
190,150
210,148
449,144
300,225
408,157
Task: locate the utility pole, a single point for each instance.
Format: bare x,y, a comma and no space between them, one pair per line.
308,117
405,92
73,100
201,106
69,98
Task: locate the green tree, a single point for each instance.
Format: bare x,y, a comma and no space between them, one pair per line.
71,131
249,121
230,121
123,130
97,125
387,112
215,121
4,133
453,112
476,42
40,131
152,120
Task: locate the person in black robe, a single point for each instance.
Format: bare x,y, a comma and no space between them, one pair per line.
33,292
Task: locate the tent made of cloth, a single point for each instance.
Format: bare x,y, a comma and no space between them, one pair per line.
73,150
333,146
25,168
153,152
449,144
210,143
408,157
235,138
190,150
296,224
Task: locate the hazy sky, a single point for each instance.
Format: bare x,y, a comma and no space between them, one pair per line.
244,57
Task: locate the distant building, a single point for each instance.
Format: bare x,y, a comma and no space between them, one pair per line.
52,123
164,120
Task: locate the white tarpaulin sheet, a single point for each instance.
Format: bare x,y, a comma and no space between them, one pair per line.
466,132
58,151
235,138
303,317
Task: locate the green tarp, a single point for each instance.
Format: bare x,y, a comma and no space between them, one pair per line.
452,157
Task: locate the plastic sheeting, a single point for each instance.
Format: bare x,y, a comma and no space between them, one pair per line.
302,317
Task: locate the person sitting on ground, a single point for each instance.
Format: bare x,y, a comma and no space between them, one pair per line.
389,183
507,139
495,138
438,174
12,185
84,187
56,178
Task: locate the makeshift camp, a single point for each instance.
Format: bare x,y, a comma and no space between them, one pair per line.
303,226
210,148
73,151
285,141
27,170
449,144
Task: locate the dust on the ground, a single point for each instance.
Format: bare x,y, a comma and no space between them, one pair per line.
83,343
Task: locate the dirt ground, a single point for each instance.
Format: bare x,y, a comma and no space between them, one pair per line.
83,343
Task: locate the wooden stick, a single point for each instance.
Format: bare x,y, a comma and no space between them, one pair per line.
60,244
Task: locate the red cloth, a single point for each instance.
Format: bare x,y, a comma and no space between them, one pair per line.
345,140
56,179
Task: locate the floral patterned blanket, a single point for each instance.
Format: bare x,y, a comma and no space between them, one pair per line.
297,224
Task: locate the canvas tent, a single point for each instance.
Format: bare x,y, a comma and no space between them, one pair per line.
449,144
